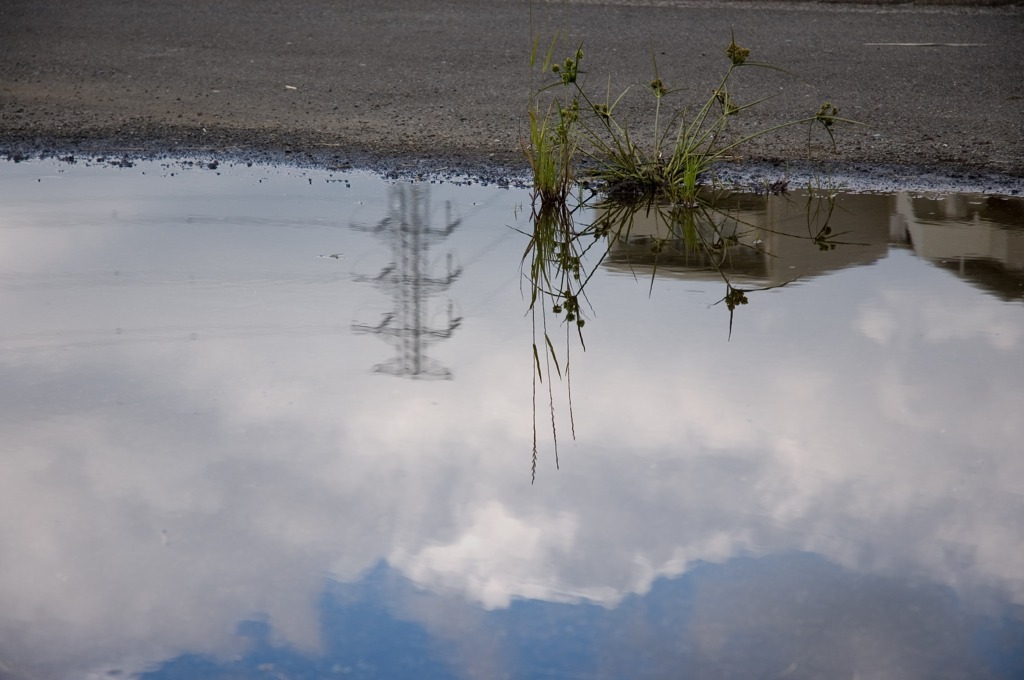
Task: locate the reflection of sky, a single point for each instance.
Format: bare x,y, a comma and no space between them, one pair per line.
194,439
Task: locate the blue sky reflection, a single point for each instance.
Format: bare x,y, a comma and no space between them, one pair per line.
202,473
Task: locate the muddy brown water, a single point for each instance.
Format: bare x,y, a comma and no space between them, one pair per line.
264,420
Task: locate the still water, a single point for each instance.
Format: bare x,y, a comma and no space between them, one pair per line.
266,422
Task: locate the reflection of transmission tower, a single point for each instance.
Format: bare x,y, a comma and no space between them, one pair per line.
407,228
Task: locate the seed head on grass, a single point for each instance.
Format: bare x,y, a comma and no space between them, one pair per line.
569,71
738,55
567,117
827,114
729,107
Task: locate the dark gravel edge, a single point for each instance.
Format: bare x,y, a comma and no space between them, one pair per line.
312,151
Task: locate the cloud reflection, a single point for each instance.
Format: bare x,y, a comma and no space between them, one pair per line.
156,493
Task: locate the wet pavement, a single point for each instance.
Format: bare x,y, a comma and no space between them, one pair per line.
443,87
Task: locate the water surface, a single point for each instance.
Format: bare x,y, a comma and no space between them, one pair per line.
270,422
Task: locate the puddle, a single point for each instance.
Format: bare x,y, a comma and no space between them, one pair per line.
267,422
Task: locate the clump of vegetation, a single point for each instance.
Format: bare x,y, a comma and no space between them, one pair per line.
554,141
686,145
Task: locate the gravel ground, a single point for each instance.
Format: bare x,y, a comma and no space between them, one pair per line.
421,87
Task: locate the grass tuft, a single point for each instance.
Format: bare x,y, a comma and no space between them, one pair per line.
577,127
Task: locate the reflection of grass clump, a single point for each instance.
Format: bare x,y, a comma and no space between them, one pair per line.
556,278
567,246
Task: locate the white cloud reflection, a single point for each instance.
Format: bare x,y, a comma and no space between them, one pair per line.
160,486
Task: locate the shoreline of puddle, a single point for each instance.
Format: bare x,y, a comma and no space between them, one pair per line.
743,176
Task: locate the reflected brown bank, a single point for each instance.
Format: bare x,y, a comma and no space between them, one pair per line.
778,239
769,241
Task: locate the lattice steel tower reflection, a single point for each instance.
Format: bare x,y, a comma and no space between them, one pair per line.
408,231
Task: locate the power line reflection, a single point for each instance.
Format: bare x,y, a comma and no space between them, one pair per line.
408,231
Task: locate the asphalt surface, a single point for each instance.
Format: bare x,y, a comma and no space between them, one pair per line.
444,86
